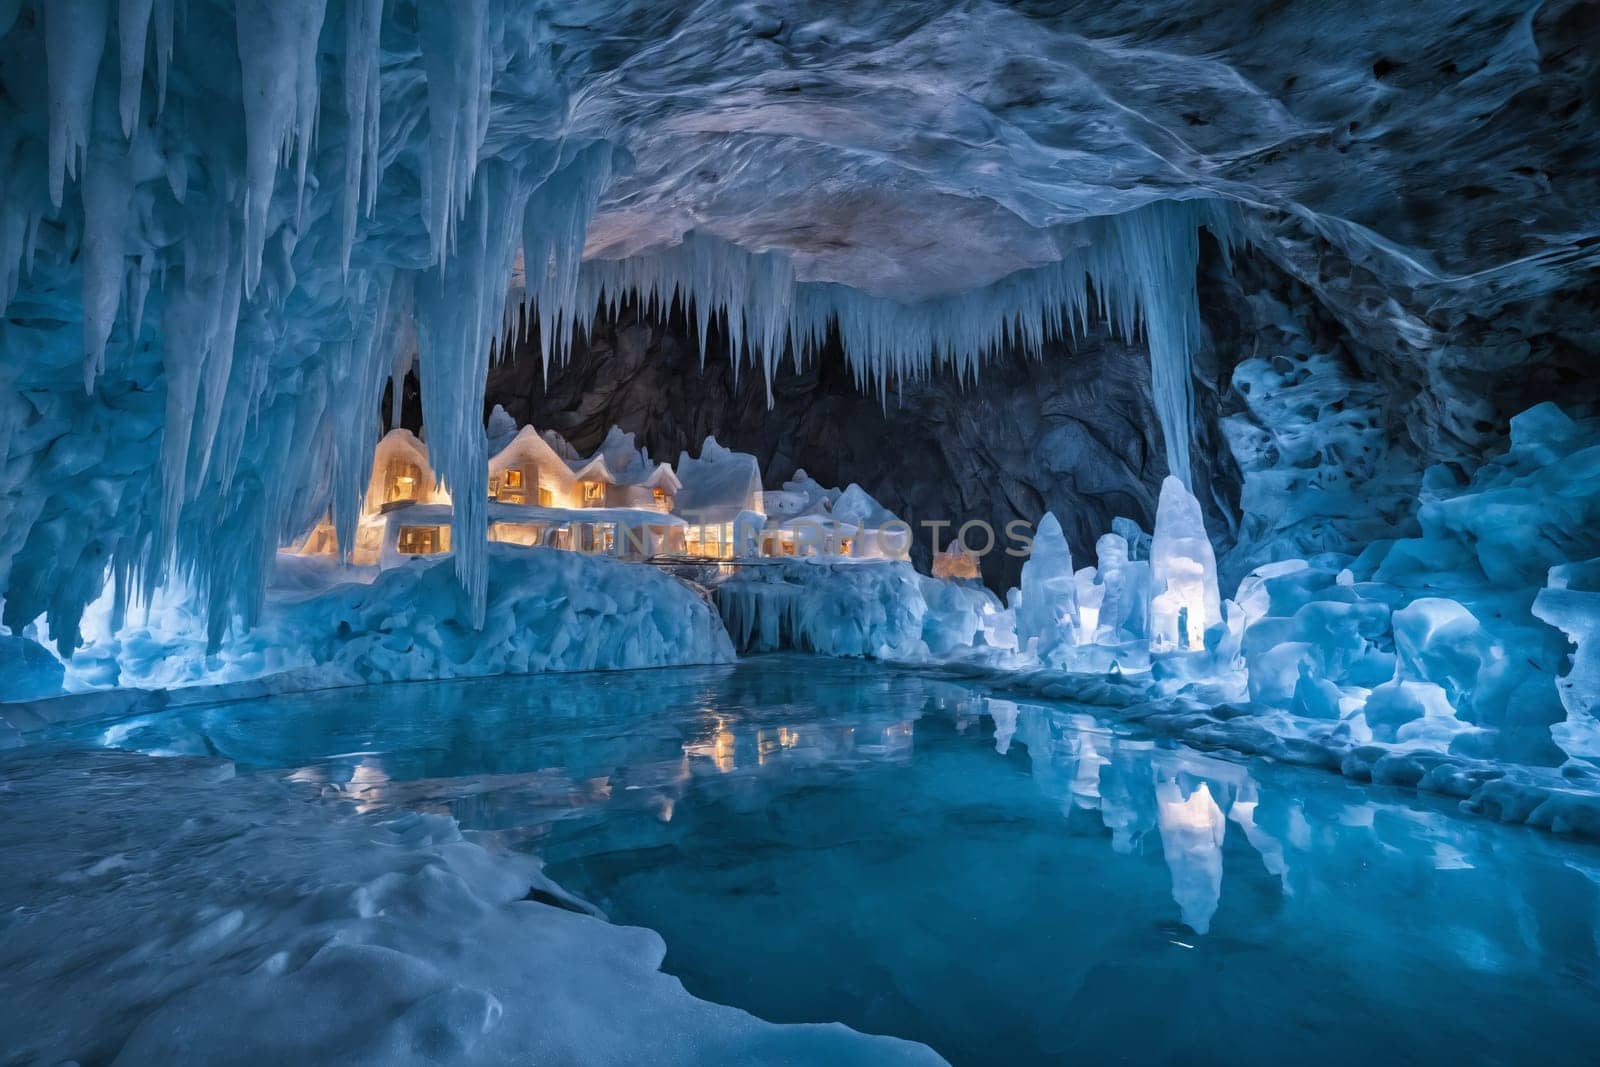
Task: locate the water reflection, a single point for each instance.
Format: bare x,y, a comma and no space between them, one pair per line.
861,832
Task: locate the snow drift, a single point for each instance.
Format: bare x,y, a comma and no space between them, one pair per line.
546,610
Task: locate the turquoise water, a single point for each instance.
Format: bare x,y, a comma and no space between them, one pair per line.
1010,882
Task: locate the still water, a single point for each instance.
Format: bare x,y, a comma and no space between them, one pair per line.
1009,882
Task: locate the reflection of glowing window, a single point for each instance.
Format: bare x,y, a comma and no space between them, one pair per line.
593,493
513,477
844,546
546,498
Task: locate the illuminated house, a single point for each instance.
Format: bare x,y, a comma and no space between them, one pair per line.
805,519
402,486
541,494
721,501
616,501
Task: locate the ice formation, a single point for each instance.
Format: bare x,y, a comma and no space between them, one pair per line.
547,610
1183,573
223,227
882,609
269,925
1047,616
228,224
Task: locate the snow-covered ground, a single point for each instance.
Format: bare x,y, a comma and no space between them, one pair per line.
547,610
161,911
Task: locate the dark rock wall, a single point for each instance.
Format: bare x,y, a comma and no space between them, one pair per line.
1074,431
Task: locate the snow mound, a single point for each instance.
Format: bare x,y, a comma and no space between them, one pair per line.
232,921
547,610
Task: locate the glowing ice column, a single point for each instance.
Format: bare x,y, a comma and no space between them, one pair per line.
1183,573
1049,608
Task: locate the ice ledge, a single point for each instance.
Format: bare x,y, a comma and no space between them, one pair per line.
252,921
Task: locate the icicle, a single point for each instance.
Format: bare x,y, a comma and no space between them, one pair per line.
403,345
138,293
554,226
455,59
363,26
357,382
459,311
74,40
133,25
218,365
278,68
1141,266
106,189
164,10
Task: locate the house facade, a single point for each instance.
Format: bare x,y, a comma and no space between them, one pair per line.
617,501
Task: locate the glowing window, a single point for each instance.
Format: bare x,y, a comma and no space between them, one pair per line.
663,501
401,482
546,498
593,493
423,540
513,477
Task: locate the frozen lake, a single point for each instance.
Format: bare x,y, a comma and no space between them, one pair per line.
1006,881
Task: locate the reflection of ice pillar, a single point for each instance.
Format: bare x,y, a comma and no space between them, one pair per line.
1125,802
1243,812
1086,777
1192,829
1004,714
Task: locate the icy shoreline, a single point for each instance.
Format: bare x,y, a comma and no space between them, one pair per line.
1564,800
164,910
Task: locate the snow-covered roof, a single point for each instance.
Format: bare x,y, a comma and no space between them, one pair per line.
527,442
618,461
804,500
403,442
787,504
718,484
814,492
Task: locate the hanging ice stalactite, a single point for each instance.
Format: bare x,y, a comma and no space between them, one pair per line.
460,313
140,167
456,61
363,28
357,383
1141,267
278,67
554,225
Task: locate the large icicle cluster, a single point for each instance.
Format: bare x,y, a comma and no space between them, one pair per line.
223,224
1134,270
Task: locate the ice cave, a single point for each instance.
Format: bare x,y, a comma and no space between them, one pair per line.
799,532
